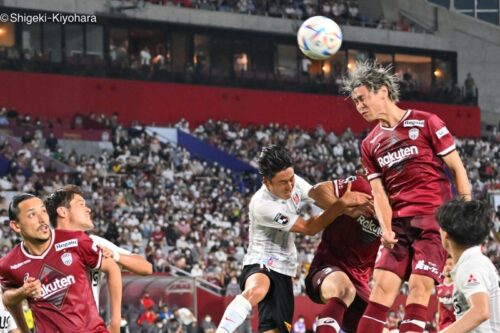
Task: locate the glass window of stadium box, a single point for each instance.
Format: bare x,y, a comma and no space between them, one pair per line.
221,56
182,63
384,59
444,3
414,73
262,59
52,42
32,43
286,67
94,41
354,56
241,59
118,48
73,38
7,34
202,55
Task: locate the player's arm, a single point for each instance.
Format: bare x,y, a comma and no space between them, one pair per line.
383,211
136,264
478,312
317,223
12,300
454,163
114,278
323,194
16,311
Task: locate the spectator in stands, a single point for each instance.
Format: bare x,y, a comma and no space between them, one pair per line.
187,319
207,325
470,89
300,325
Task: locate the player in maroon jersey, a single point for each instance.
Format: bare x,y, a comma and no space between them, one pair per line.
404,155
444,292
343,262
49,269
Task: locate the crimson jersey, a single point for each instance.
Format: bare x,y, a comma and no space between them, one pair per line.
444,293
350,243
408,159
66,303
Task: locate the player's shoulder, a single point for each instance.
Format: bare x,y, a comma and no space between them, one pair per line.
11,257
359,184
67,235
372,134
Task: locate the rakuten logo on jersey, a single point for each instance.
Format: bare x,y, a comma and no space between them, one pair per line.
56,286
369,226
399,155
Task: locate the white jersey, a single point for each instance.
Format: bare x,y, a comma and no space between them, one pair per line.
475,273
96,276
271,218
7,323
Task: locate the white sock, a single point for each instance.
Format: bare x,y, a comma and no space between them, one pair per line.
236,313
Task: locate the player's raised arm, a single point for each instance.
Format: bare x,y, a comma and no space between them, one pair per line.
323,194
454,163
131,262
383,211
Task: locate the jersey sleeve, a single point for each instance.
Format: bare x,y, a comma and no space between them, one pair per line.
106,243
372,169
89,251
271,214
304,188
6,281
471,281
440,137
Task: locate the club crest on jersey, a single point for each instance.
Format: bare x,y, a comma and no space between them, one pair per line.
414,123
281,219
413,133
67,258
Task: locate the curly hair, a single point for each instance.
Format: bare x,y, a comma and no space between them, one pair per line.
372,75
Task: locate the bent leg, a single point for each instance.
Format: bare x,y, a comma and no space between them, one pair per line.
421,288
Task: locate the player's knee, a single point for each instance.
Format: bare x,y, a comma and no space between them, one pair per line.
345,291
255,293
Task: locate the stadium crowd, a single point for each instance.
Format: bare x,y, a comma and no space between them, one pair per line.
187,216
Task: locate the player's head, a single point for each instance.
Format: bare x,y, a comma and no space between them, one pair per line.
448,267
372,87
276,170
464,223
67,209
29,218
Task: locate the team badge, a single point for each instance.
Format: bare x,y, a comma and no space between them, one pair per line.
67,258
413,133
281,219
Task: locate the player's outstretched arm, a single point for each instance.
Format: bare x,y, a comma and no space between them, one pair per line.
114,278
383,211
479,312
454,163
136,264
317,223
323,194
12,299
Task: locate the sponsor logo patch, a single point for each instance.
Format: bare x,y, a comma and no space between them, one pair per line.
67,258
281,219
67,244
429,266
401,154
442,132
16,266
414,123
413,133
472,280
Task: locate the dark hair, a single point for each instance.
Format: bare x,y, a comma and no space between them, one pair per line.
273,159
60,198
14,205
468,223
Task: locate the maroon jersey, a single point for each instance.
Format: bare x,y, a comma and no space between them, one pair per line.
350,243
408,159
66,303
444,293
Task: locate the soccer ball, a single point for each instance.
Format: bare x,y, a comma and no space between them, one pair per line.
319,37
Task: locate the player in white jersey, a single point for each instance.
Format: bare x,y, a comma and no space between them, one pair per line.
7,323
271,259
476,297
68,211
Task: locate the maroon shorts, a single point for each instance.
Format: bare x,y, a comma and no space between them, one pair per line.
418,250
355,311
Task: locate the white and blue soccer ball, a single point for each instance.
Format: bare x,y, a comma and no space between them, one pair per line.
319,37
